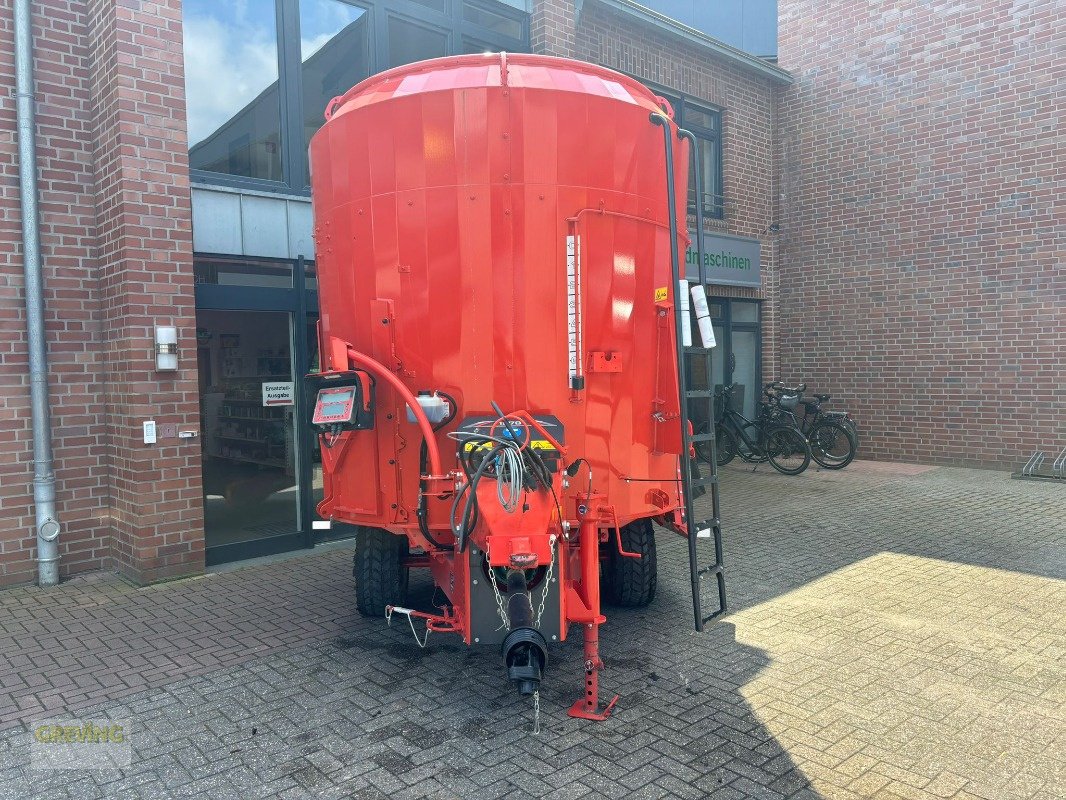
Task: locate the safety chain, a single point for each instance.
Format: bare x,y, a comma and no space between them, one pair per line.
536,712
547,580
496,590
421,643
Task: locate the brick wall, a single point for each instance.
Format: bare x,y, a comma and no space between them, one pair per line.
116,247
144,230
72,310
603,36
921,268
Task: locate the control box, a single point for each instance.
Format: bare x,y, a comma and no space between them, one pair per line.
345,403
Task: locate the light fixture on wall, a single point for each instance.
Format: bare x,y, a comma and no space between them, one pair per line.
166,348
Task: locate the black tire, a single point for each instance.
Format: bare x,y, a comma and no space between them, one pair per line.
787,450
833,445
703,449
380,577
725,445
847,422
630,582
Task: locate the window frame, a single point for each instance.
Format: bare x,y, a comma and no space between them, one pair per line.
679,100
453,24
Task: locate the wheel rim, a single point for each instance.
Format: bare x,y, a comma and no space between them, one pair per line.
786,450
830,442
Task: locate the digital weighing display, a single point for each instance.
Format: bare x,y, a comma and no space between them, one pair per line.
335,405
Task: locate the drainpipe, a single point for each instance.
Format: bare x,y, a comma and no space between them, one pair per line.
44,479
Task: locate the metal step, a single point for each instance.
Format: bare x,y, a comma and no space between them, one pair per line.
705,529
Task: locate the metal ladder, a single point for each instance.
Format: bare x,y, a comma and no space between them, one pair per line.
695,486
690,484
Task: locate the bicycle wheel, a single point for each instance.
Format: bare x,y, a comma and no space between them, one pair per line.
725,445
844,420
787,450
832,444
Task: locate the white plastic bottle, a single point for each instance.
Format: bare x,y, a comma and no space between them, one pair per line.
703,315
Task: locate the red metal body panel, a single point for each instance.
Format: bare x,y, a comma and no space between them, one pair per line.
444,193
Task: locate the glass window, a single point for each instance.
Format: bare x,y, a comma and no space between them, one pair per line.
334,55
492,20
745,312
705,125
242,70
436,5
696,117
243,272
474,47
409,42
231,87
710,174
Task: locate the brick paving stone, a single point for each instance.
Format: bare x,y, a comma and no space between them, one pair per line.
893,633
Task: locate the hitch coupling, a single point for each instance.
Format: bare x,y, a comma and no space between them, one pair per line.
525,651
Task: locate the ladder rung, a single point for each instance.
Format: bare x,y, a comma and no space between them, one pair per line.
715,615
698,351
709,481
708,523
695,394
715,569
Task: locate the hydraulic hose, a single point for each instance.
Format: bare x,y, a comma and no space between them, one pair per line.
420,415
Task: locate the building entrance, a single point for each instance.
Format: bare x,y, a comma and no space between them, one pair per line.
737,356
255,343
247,403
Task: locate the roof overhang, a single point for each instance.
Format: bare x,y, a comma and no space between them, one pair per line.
645,15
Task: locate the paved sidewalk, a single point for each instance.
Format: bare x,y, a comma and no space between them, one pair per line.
894,632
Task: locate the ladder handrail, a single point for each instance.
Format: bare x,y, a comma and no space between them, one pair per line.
690,525
718,570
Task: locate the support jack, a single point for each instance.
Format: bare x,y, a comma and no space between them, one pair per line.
587,708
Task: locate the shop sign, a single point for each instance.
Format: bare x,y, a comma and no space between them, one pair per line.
728,260
278,394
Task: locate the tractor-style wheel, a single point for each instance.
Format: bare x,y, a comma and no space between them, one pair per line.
380,577
630,582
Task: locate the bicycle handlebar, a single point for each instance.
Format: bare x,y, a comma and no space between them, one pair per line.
778,386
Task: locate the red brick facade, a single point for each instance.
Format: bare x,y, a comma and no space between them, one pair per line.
923,227
72,306
117,254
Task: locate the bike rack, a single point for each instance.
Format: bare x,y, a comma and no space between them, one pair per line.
1033,469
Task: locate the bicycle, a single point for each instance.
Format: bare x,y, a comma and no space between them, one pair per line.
832,435
766,438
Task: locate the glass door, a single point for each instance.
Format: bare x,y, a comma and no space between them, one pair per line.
737,358
250,430
252,355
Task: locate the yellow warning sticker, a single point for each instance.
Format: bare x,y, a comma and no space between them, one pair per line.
660,294
536,444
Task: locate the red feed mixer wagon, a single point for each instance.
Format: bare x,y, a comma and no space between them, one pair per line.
500,401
